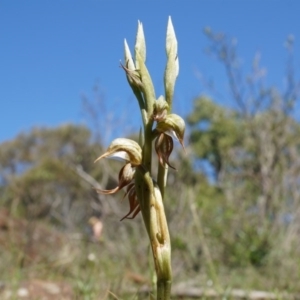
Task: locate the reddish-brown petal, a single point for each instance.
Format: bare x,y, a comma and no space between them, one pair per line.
107,192
135,212
164,148
134,205
129,189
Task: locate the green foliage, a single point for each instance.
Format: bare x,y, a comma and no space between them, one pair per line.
217,131
38,172
252,149
242,207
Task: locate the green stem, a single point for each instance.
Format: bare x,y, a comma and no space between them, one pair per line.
141,102
162,175
147,149
156,224
154,218
163,289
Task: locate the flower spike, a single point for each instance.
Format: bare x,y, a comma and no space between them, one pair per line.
142,191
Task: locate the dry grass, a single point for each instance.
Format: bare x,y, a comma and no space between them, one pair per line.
36,256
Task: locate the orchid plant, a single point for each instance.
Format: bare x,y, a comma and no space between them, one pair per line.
144,193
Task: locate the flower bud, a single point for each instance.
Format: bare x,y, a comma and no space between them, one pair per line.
128,58
172,67
140,44
133,76
160,109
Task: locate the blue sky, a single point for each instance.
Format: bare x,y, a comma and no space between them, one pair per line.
52,52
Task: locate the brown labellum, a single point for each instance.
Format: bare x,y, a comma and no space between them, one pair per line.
126,175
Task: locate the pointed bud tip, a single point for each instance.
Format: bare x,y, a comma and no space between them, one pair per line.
182,144
99,157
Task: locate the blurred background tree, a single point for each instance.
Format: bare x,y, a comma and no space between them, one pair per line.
38,174
253,149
